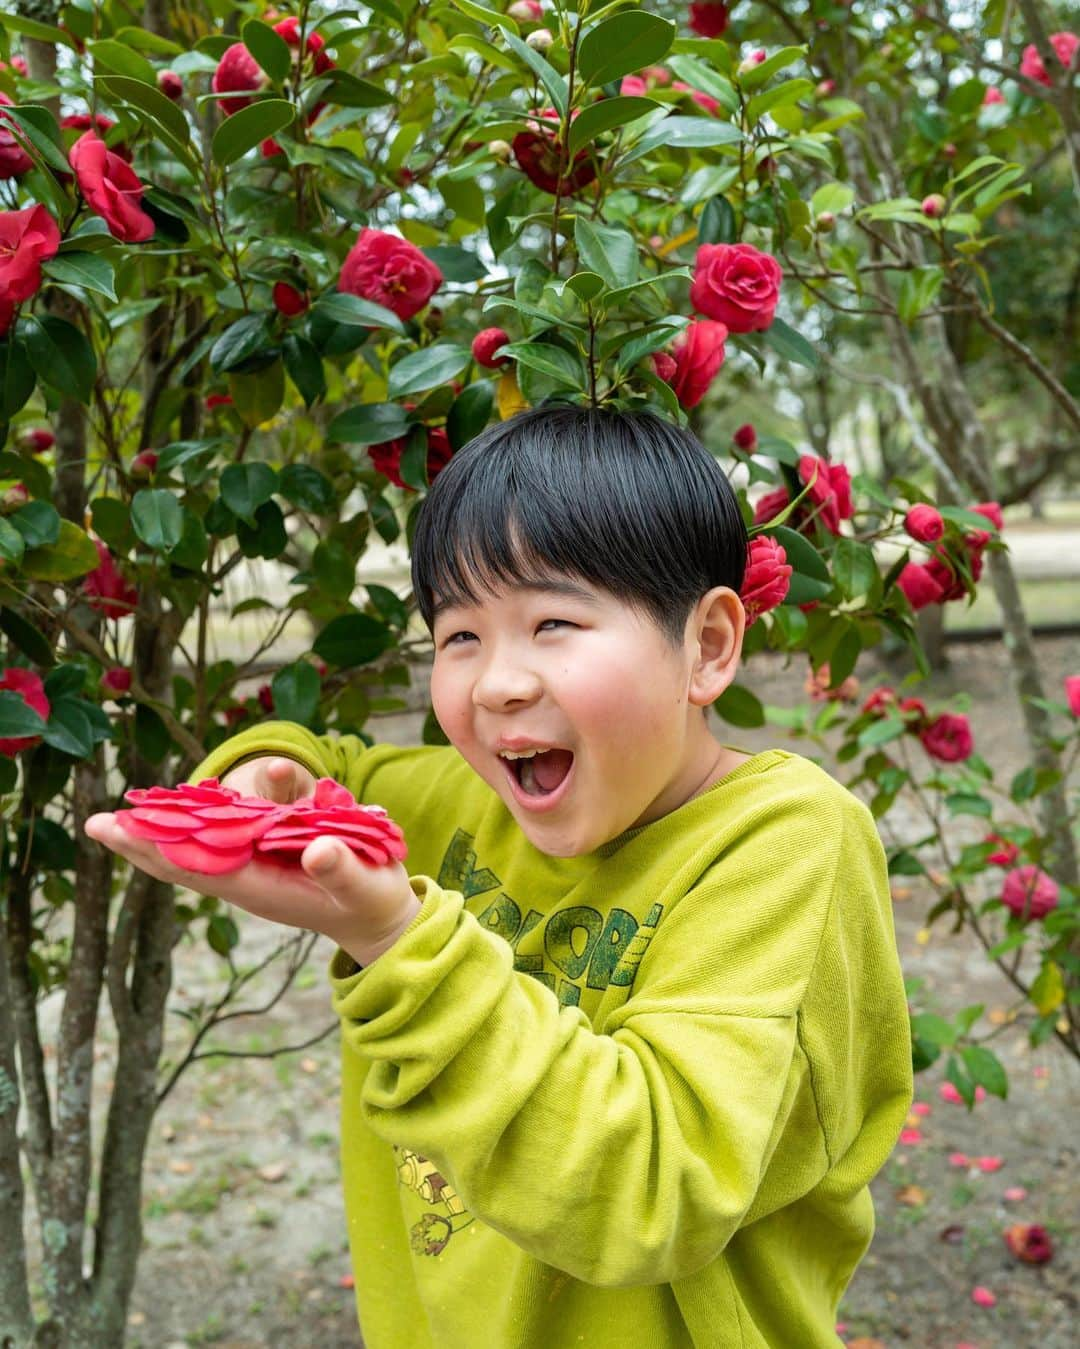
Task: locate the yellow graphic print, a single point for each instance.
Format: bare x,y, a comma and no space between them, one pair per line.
430,1234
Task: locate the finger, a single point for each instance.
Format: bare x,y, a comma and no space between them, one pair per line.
279,780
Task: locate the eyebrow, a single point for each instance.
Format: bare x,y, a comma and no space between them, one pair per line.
568,589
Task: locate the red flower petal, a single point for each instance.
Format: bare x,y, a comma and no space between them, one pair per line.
194,856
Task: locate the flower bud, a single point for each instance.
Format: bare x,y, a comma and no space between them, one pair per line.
826,88
35,439
15,496
500,150
170,84
825,223
924,524
143,465
540,40
749,62
745,438
933,206
486,343
526,11
288,300
116,681
949,150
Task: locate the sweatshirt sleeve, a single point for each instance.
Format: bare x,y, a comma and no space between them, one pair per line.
622,1158
324,755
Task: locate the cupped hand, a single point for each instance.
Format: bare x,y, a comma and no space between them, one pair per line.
363,908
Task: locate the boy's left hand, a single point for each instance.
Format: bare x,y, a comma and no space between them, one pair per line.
363,908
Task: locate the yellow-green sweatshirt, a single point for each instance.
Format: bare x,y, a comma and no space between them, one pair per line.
629,1100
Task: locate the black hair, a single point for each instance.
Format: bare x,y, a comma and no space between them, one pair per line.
626,501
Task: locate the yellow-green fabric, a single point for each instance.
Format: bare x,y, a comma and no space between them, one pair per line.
632,1098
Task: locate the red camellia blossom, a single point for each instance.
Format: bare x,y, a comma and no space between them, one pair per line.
538,152
698,353
991,511
486,343
706,101
919,586
170,84
84,121
664,366
35,439
111,189
1029,892
1005,855
737,285
107,590
29,687
770,505
116,681
391,271
386,457
1072,693
238,72
265,696
745,438
945,569
288,300
993,95
948,738
13,158
708,18
924,524
27,239
1064,45
1029,1242
633,86
526,11
831,491
913,711
879,701
214,830
18,64
144,465
767,579
217,400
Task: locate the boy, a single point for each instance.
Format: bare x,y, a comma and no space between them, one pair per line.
621,1057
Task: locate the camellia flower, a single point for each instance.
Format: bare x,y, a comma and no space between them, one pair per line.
106,588
706,101
116,681
29,687
1031,64
1029,892
698,353
238,72
486,343
992,512
538,151
386,457
767,579
919,586
214,830
391,271
708,18
770,505
1072,693
526,11
14,161
111,189
1029,1242
288,300
993,95
737,285
924,524
35,439
170,84
1005,855
831,491
633,86
745,438
144,465
948,738
27,239
880,701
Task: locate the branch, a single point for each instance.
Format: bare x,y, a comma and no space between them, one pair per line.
1027,357
16,1317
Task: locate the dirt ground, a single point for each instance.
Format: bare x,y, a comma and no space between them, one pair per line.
245,1237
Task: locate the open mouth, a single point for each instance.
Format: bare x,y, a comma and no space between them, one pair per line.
540,781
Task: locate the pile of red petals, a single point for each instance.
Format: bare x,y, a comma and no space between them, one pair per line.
213,829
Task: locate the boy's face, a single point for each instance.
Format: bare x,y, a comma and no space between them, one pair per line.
574,669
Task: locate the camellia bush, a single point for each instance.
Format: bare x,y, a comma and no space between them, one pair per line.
262,273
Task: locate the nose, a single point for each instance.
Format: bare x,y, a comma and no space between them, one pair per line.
505,681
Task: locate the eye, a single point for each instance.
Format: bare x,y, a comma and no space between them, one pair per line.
559,622
456,638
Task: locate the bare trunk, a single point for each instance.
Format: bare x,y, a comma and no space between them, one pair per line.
16,1318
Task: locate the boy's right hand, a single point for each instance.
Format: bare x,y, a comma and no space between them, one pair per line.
272,777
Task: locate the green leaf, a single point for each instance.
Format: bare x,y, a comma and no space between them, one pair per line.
548,76
389,606
269,49
89,270
38,522
352,639
610,252
296,693
242,131
181,452
304,367
350,91
71,556
705,79
424,369
240,341
834,197
334,569
918,290
854,568
41,130
555,362
755,77
222,934
622,44
368,424
27,638
307,488
456,264
934,1028
635,343
779,96
469,413
490,17
61,355
17,717
604,115
738,706
412,466
685,133
351,310
791,345
717,223
12,543
17,378
193,549
42,32
69,729
244,488
801,553
157,518
257,394
119,58
268,537
147,98
986,1070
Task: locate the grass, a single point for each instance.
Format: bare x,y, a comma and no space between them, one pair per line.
1045,601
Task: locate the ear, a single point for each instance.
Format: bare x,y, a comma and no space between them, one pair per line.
715,636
